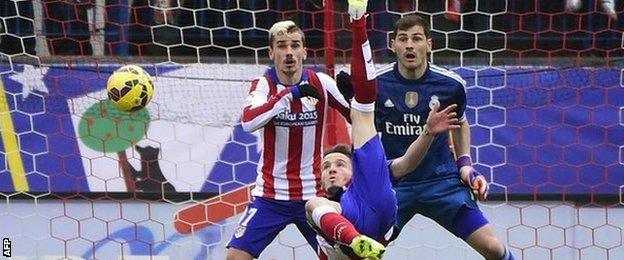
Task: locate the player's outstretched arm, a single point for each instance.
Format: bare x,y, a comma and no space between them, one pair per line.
461,139
475,180
437,122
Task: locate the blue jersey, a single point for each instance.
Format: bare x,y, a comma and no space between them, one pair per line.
369,202
401,112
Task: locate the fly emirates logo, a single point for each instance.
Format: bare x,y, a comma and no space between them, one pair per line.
409,126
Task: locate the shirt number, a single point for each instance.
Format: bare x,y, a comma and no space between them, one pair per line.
247,217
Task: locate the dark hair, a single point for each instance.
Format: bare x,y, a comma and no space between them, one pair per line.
339,148
410,21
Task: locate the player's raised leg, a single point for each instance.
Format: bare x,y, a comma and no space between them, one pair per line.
326,216
363,103
362,77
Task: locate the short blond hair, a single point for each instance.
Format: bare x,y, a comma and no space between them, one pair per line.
284,27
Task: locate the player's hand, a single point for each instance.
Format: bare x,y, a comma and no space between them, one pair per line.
442,121
343,81
357,8
476,181
307,90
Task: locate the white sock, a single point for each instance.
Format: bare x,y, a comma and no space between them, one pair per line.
370,107
318,213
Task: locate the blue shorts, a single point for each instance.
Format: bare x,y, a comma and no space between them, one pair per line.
264,219
369,203
439,200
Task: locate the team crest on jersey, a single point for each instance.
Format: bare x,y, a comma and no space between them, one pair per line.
411,99
434,101
240,231
309,101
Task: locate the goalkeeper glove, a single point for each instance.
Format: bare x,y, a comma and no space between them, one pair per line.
343,81
475,180
305,90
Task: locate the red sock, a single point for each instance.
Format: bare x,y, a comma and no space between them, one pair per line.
364,89
338,228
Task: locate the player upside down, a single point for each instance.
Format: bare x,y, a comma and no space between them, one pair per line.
443,188
358,217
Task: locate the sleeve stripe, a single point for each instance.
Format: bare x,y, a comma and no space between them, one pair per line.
255,117
385,69
252,113
448,73
254,85
334,97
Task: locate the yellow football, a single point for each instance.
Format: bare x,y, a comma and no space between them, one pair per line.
130,88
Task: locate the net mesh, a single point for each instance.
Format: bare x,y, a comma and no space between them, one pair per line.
545,101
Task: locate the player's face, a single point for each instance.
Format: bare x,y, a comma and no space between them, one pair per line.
411,47
335,170
288,53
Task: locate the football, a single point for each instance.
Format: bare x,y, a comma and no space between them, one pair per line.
130,88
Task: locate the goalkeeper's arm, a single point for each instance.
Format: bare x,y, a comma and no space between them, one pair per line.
437,122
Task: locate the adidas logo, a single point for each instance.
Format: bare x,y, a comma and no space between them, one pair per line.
388,103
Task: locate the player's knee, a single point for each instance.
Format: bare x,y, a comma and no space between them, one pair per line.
237,254
495,250
491,247
314,203
484,240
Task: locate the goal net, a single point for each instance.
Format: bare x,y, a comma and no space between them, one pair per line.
80,179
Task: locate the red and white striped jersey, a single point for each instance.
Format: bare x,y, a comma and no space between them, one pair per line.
291,134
